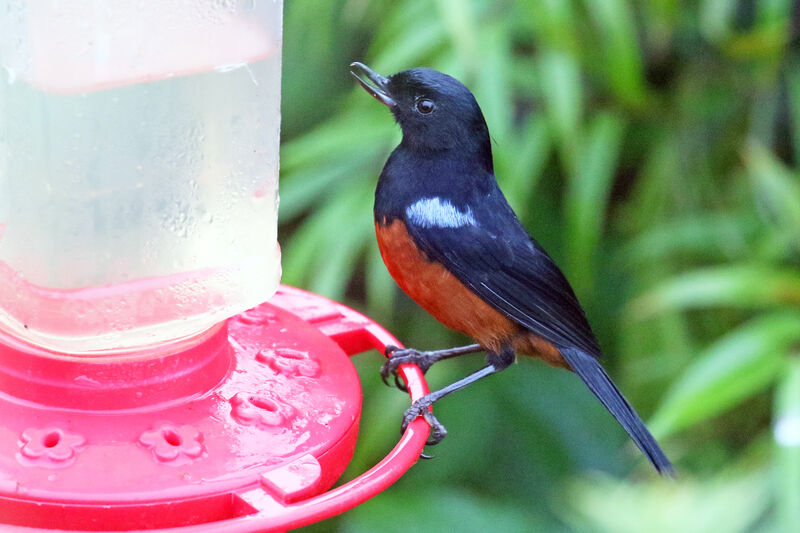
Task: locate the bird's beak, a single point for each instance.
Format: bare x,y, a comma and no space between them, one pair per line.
379,87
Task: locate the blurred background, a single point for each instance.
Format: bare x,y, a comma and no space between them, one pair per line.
653,148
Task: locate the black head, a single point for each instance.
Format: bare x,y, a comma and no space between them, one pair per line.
435,111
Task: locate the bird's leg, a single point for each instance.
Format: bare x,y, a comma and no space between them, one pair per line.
424,360
421,407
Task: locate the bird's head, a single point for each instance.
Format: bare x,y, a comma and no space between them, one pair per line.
436,111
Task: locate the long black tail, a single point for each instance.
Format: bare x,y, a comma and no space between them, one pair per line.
595,377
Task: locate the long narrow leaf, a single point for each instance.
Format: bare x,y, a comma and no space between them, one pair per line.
458,18
409,35
621,50
587,196
734,368
729,503
777,187
707,236
793,92
787,441
521,162
742,286
562,92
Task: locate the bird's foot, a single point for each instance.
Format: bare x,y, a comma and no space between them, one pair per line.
400,356
422,408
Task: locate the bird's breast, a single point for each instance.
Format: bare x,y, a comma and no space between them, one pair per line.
438,291
448,300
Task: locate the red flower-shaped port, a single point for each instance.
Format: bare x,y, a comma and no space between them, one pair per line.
51,447
173,444
290,362
261,411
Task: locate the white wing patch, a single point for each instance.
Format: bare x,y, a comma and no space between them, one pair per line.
438,213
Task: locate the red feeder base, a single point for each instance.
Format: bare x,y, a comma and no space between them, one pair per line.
236,430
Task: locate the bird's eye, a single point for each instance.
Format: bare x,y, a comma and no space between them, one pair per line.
425,106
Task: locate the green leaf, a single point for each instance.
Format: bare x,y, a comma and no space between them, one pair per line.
734,368
587,197
562,92
381,288
658,21
787,441
406,37
321,254
313,164
727,503
492,85
369,124
706,236
554,23
336,264
775,186
715,18
793,94
458,18
620,48
520,162
456,510
740,286
303,189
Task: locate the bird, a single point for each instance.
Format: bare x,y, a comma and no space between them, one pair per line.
452,242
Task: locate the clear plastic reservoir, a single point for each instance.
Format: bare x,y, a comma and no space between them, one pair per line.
138,168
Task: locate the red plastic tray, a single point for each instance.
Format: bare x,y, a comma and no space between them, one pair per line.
241,429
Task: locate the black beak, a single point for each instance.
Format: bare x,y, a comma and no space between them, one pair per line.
379,87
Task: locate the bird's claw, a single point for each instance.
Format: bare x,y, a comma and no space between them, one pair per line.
389,350
398,382
400,356
390,368
422,408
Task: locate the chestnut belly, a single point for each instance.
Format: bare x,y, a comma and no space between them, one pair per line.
450,302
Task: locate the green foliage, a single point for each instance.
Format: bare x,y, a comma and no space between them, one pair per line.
693,507
738,365
654,149
787,444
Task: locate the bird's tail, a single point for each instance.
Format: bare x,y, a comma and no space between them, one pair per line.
595,377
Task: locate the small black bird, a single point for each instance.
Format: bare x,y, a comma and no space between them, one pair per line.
455,246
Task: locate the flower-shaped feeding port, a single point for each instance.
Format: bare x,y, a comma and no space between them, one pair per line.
50,447
176,445
289,362
260,411
257,316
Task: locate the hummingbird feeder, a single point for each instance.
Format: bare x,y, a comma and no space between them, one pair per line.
153,374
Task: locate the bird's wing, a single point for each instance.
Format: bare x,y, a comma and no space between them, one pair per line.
496,259
490,253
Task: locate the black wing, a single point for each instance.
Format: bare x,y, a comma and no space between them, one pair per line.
497,260
491,253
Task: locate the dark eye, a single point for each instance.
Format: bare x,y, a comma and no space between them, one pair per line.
425,106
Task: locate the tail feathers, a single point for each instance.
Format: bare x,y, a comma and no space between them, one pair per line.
595,377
